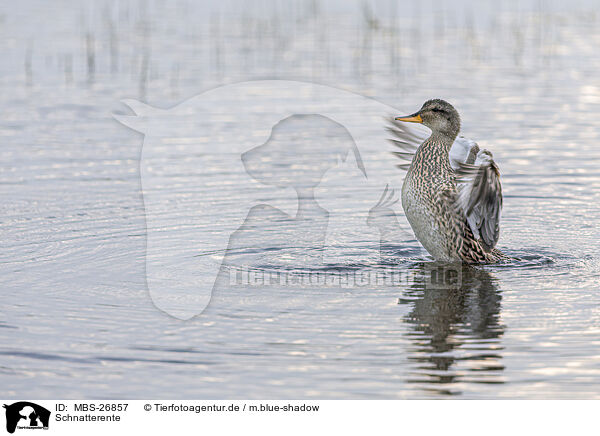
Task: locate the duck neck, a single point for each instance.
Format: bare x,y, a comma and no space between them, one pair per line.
443,139
435,151
440,143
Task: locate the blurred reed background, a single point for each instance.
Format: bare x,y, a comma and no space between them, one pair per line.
168,49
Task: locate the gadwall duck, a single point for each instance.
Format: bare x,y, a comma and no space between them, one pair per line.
452,196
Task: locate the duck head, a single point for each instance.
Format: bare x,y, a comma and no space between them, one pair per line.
439,115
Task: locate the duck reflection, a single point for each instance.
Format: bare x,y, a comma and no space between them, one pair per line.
455,330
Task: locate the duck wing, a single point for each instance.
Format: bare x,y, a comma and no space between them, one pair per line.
406,139
463,151
479,197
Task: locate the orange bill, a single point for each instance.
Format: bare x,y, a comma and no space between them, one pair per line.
414,118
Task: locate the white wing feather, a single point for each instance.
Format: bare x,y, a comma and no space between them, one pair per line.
480,197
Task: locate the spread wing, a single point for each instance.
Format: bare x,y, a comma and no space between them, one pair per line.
480,197
406,139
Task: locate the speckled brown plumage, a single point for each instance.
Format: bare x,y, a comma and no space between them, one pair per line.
431,195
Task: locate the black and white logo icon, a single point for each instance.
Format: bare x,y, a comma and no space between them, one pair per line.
26,415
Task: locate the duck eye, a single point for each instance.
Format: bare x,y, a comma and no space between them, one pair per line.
436,110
